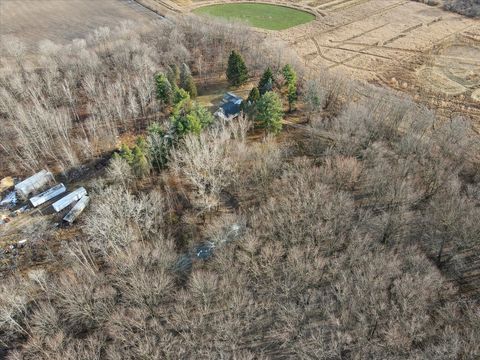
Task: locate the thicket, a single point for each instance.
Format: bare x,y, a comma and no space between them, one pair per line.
353,228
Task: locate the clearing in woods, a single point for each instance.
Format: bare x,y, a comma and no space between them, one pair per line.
265,16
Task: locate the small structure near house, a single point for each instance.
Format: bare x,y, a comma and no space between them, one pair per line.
48,195
77,209
33,183
230,107
68,199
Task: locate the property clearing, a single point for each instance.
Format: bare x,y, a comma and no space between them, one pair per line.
264,16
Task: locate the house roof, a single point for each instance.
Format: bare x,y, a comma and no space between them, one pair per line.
231,97
230,108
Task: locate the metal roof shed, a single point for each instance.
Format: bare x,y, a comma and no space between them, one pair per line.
68,199
77,209
33,183
48,195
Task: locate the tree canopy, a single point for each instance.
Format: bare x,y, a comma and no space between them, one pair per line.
266,81
186,81
164,89
237,72
270,112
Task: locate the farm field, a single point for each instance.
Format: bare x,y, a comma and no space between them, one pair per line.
265,16
432,54
425,51
64,20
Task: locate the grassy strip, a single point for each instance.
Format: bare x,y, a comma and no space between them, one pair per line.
265,16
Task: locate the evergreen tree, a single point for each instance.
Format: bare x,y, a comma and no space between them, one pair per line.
266,82
291,96
190,117
253,96
164,89
191,88
126,154
289,75
141,143
173,75
270,112
186,81
140,164
249,106
158,146
291,81
237,72
180,96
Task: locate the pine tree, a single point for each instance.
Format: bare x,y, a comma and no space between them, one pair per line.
158,146
237,72
140,164
186,81
250,106
270,112
191,117
266,82
191,88
289,75
253,96
126,154
173,75
141,143
164,89
291,96
180,96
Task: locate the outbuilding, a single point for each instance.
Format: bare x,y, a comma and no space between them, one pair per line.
33,183
69,199
48,195
77,209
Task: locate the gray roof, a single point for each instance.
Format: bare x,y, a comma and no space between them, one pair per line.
77,209
231,97
33,183
68,199
230,109
230,106
48,195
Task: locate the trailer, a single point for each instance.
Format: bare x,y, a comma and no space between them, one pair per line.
48,195
77,209
33,183
69,199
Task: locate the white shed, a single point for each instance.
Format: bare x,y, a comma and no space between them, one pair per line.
77,209
48,195
68,199
33,183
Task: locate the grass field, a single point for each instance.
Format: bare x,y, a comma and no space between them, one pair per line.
271,17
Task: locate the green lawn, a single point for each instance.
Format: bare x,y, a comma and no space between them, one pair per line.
265,16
